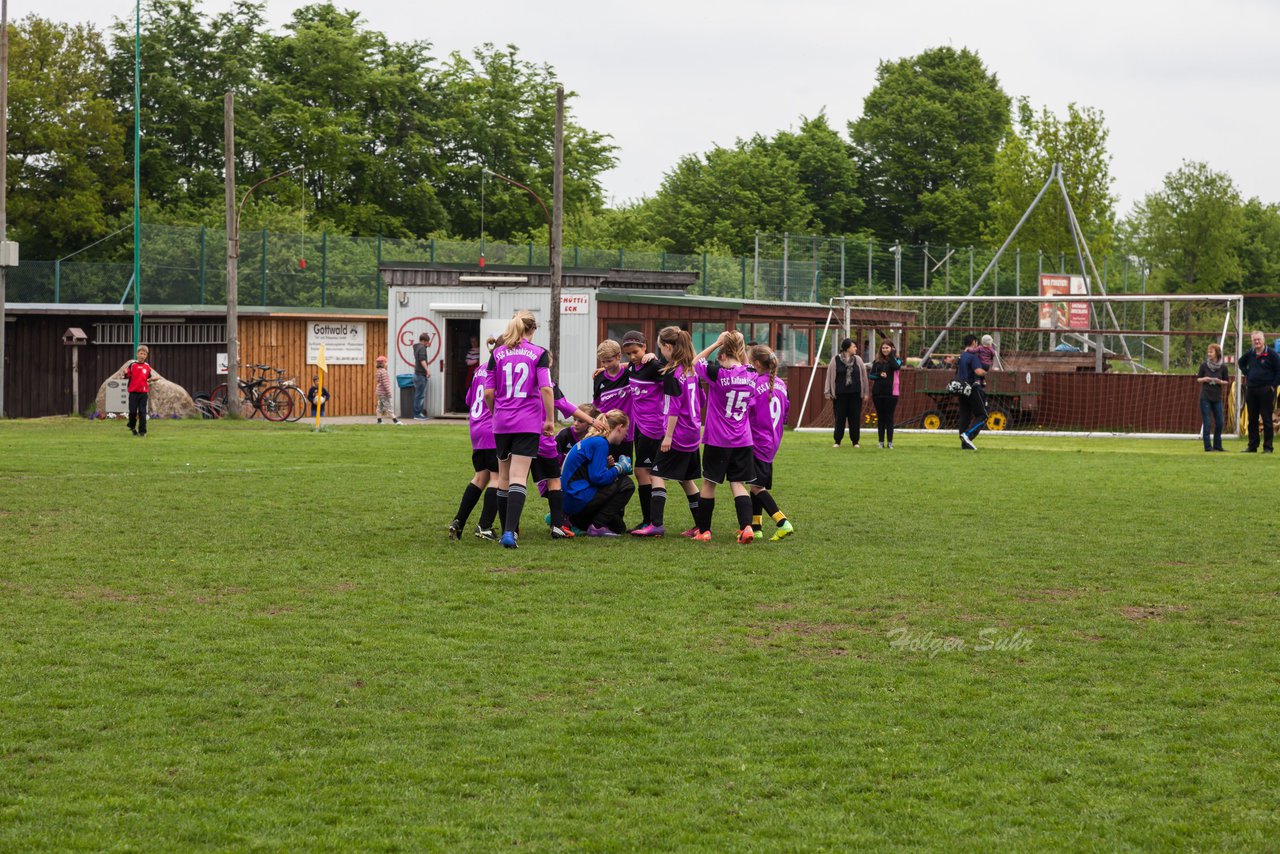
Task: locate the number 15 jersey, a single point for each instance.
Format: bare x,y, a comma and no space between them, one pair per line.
729,393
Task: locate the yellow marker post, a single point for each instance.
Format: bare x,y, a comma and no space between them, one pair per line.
319,404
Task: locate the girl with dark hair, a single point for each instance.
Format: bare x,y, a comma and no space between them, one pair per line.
847,387
884,390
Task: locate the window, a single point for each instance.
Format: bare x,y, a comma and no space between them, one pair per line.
754,333
792,344
617,330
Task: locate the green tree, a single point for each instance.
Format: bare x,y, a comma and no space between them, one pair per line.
1192,230
728,194
827,173
67,176
1260,259
1023,164
926,144
499,113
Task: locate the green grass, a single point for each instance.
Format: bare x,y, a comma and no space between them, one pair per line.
253,636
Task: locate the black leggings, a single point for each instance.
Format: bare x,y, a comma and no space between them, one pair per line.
885,406
848,407
604,510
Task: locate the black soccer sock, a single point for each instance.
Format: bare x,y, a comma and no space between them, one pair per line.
657,506
489,509
693,507
555,498
646,492
515,506
742,503
706,509
503,498
470,496
768,504
756,519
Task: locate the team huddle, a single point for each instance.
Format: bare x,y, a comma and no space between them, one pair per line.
670,416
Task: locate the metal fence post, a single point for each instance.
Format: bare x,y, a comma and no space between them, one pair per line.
57,281
202,265
264,266
704,273
324,268
432,255
924,266
530,253
744,276
870,247
620,258
664,260
575,256
842,265
377,277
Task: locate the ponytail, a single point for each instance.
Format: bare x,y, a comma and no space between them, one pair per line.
613,419
765,357
522,323
734,347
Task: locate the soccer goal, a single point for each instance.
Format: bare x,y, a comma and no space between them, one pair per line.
1066,362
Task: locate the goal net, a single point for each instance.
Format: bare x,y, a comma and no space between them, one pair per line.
1064,361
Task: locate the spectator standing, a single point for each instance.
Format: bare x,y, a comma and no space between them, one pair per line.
421,373
1261,369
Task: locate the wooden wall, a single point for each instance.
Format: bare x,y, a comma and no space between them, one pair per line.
282,342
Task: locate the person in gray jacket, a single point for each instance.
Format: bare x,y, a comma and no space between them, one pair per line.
847,387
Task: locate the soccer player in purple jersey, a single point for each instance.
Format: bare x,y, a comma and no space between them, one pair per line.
518,393
645,375
484,460
726,449
768,417
677,457
611,389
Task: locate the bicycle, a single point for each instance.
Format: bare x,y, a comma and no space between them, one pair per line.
256,396
297,396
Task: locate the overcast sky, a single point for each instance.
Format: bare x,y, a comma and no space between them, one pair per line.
1175,79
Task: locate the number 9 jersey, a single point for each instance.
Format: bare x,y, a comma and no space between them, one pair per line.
768,417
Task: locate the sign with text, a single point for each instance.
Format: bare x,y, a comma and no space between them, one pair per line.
1063,314
575,304
344,342
117,396
222,365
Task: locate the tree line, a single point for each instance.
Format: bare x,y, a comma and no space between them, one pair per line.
392,138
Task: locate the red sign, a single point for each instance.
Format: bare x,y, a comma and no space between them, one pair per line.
408,334
1063,314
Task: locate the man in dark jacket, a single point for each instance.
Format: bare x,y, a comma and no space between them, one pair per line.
971,377
1261,369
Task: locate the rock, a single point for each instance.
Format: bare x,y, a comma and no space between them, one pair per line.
166,399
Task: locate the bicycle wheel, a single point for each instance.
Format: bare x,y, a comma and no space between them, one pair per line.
218,401
276,404
299,401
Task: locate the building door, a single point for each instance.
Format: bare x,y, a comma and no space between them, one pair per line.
460,336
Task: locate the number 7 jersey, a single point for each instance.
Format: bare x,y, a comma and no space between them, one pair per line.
729,394
768,417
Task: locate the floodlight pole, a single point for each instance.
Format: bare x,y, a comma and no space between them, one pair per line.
4,170
233,254
557,235
137,177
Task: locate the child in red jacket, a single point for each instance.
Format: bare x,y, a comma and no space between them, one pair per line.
138,374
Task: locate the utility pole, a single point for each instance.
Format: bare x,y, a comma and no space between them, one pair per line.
557,234
233,254
4,170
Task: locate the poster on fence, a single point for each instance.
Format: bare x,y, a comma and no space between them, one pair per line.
344,342
1063,314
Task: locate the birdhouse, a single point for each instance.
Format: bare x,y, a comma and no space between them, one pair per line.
75,337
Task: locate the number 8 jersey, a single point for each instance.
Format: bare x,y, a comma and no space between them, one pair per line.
768,417
478,415
729,394
517,376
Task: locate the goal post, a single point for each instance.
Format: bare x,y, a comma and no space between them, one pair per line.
1065,362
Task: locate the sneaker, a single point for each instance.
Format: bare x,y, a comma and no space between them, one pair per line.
133,430
785,530
891,446
485,534
967,442
561,533
509,540
702,537
856,446
692,533
758,533
379,420
455,530
880,445
396,421
419,418
835,445
1249,451
595,531
746,536
650,530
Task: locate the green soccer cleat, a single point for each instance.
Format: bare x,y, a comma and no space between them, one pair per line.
784,530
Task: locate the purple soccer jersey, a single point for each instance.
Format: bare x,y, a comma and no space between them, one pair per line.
647,397
478,415
680,398
729,393
517,377
768,416
614,392
547,444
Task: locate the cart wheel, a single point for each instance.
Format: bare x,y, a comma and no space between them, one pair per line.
932,420
997,419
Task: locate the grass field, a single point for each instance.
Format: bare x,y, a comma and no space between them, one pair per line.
253,636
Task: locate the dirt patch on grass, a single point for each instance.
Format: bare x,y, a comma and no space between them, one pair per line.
277,610
774,607
216,597
343,587
1051,594
509,570
1151,612
813,639
104,593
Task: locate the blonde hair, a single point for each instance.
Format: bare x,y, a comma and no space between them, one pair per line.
764,356
608,349
613,419
734,347
681,345
522,323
